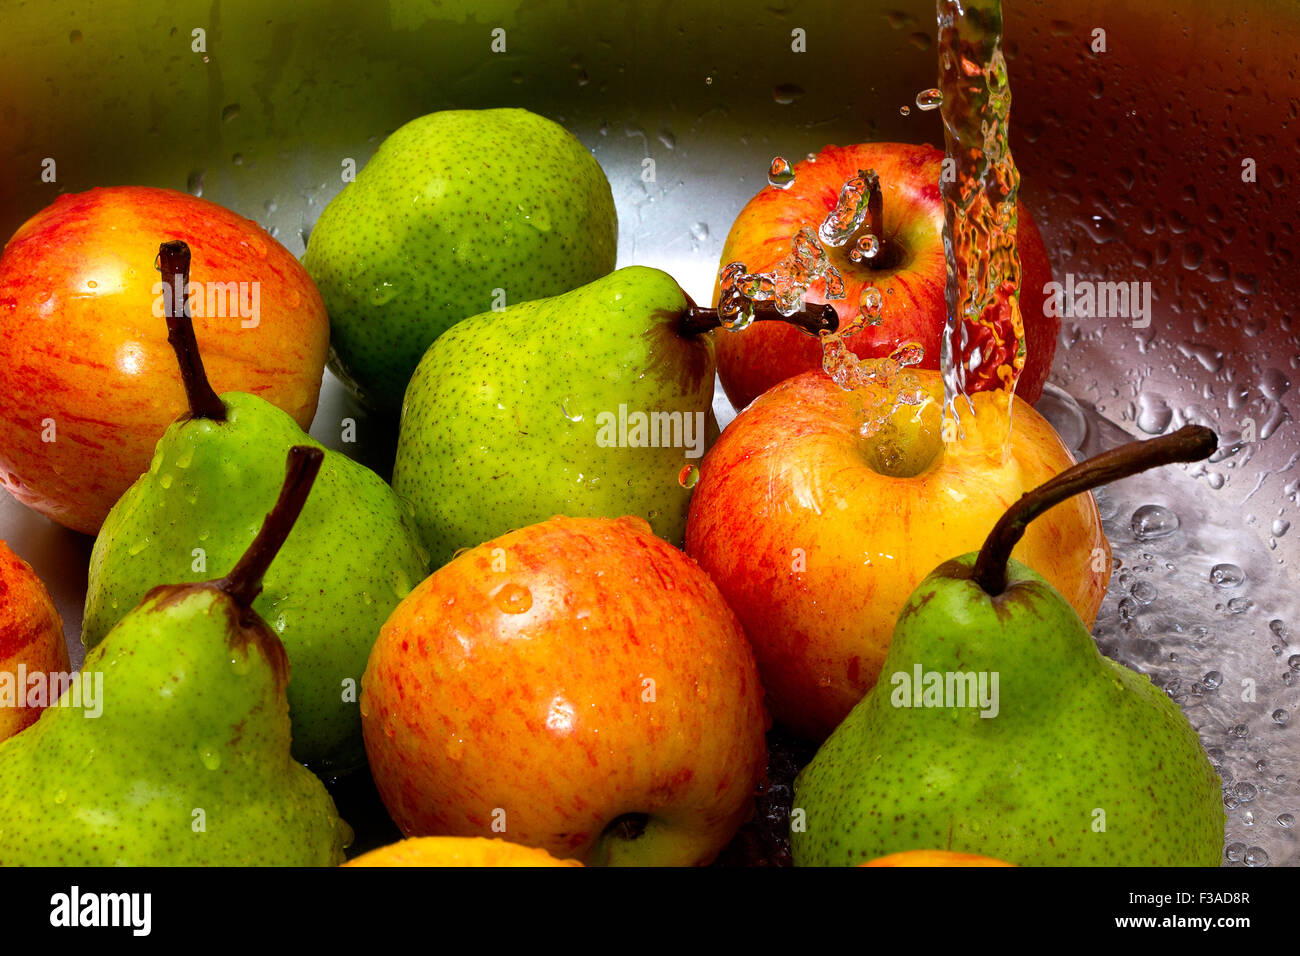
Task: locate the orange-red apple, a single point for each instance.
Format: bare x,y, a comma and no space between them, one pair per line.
458,851
578,685
817,535
934,858
31,642
87,378
910,272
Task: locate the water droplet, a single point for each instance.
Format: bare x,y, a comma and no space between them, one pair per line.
1227,575
1239,605
1281,717
514,598
1212,680
229,112
1255,856
455,748
138,547
1285,820
1246,792
1144,592
780,174
850,210
905,110
60,796
870,304
867,247
1233,852
1153,521
1154,415
688,476
211,757
194,184
165,480
572,416
383,293
930,99
700,231
1280,527
786,93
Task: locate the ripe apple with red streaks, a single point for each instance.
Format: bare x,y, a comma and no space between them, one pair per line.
31,643
578,685
910,271
85,369
817,535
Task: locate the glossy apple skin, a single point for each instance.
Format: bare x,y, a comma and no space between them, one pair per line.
468,707
789,473
458,851
934,858
80,344
31,634
913,288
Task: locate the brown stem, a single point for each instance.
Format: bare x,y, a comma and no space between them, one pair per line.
1189,443
244,582
812,319
174,264
875,215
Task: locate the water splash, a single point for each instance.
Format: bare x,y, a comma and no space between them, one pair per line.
850,210
984,340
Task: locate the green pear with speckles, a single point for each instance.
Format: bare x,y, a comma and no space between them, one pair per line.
352,557
997,728
587,404
457,212
171,747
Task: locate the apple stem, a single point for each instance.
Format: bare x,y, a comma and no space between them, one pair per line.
813,319
1189,443
244,582
174,264
875,215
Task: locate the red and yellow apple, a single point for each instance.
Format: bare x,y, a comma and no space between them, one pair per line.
457,851
31,641
934,858
910,272
88,379
577,685
817,535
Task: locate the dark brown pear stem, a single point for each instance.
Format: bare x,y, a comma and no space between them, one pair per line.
1189,443
244,582
812,319
174,264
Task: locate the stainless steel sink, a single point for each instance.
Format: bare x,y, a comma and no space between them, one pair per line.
1132,162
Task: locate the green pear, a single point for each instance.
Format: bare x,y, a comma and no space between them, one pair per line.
586,404
458,212
171,748
352,557
997,728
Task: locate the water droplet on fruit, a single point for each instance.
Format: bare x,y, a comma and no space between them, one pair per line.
383,293
1153,521
870,304
867,247
165,480
850,210
138,547
780,174
211,757
570,415
688,476
930,99
514,598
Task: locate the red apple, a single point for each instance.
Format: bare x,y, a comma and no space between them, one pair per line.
578,685
31,642
817,535
87,379
910,272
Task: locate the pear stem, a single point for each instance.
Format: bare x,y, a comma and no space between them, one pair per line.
813,319
1189,443
174,264
244,582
